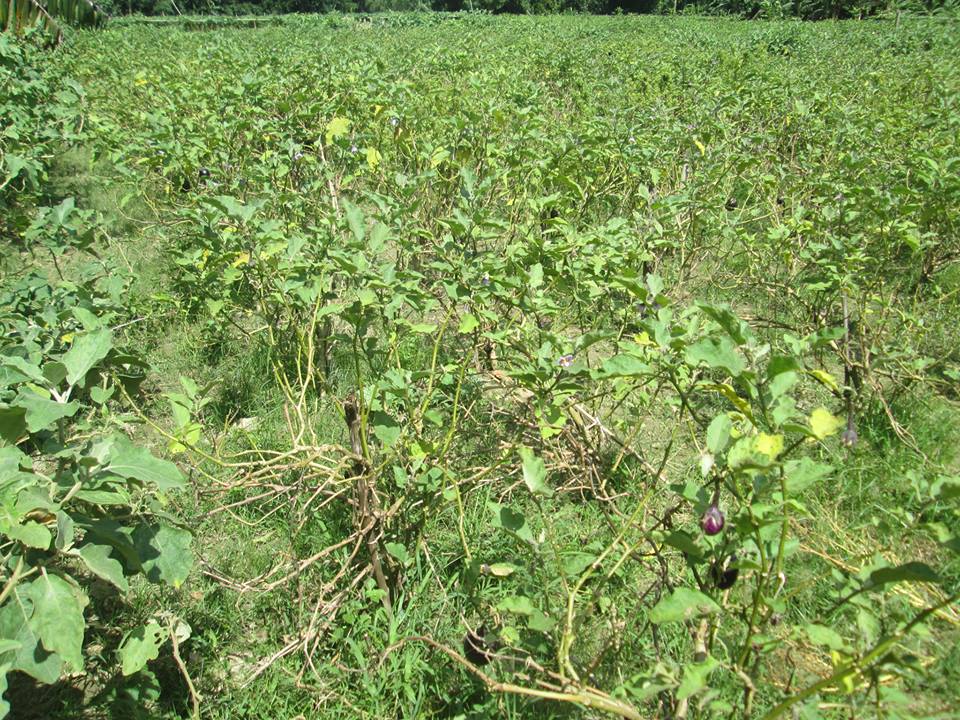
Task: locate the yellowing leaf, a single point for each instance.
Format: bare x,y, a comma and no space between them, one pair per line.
824,423
439,155
769,445
500,569
730,394
242,259
373,158
337,127
826,378
700,147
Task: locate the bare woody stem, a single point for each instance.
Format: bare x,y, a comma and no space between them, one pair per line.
367,516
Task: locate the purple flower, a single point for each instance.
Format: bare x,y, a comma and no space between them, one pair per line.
485,280
354,149
394,121
298,156
565,361
712,521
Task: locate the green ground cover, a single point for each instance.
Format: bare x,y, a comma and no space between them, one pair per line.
406,366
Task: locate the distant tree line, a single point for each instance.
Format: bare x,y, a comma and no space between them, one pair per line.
807,9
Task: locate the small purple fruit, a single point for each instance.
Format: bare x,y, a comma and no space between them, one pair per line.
478,648
712,521
725,574
849,437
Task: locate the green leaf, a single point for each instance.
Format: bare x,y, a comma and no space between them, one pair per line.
31,657
623,366
517,604
236,209
576,562
12,459
140,647
100,395
468,324
19,370
65,531
7,645
908,572
534,473
4,669
164,553
803,473
535,277
684,542
58,617
41,412
137,463
355,221
539,621
87,350
511,521
34,497
13,423
695,676
718,433
682,604
97,558
4,705
945,487
721,354
398,551
822,635
213,306
31,534
385,428
782,382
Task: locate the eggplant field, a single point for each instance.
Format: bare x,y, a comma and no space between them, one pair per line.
473,366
